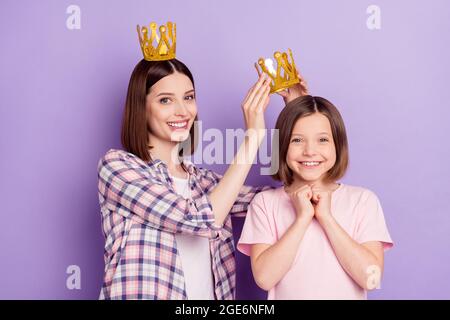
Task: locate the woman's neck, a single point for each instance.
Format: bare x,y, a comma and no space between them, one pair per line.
167,152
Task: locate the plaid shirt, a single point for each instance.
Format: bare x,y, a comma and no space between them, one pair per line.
141,212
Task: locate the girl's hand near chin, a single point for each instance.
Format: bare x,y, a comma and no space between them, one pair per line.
321,200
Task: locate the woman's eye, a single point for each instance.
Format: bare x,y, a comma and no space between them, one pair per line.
164,100
190,97
324,140
296,140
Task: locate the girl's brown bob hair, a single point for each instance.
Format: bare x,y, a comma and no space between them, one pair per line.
134,136
302,107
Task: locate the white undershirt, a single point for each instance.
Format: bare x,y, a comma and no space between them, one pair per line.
195,256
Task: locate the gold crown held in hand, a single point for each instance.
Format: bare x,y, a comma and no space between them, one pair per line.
284,76
158,48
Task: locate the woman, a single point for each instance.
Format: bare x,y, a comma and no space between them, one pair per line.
166,222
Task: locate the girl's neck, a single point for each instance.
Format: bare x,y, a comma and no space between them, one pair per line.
167,152
298,183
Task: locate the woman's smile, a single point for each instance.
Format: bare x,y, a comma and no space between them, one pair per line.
178,125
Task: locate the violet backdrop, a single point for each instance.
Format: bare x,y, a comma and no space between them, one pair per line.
62,95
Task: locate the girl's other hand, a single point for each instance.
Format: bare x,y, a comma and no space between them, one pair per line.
301,199
321,200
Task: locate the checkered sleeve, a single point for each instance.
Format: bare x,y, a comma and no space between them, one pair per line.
128,189
245,196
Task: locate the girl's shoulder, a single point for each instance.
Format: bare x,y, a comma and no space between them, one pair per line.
355,193
270,196
273,192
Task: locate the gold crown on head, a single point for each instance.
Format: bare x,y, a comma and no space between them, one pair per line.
284,76
158,48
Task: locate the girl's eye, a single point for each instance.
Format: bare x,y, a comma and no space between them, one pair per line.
164,100
190,97
296,140
324,140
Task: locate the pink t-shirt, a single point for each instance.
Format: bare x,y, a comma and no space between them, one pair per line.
316,272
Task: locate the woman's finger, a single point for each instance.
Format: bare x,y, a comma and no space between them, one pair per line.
283,93
256,87
264,100
266,103
254,103
247,95
260,93
245,103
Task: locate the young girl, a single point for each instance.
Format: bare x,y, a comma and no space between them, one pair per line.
314,238
166,222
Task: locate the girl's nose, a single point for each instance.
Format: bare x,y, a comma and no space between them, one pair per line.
309,150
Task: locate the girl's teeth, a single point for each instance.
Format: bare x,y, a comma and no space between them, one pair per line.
310,164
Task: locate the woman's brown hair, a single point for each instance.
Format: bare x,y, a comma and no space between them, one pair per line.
303,107
134,136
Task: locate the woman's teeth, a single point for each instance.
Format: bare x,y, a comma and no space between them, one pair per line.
177,124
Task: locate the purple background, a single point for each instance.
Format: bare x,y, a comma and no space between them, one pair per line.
63,91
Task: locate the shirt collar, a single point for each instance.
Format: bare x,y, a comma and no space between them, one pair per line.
192,169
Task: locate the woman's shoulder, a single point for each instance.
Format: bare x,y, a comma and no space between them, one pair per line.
118,158
117,154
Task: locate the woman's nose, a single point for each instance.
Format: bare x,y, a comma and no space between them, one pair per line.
180,109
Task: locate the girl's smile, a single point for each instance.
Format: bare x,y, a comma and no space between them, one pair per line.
310,164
